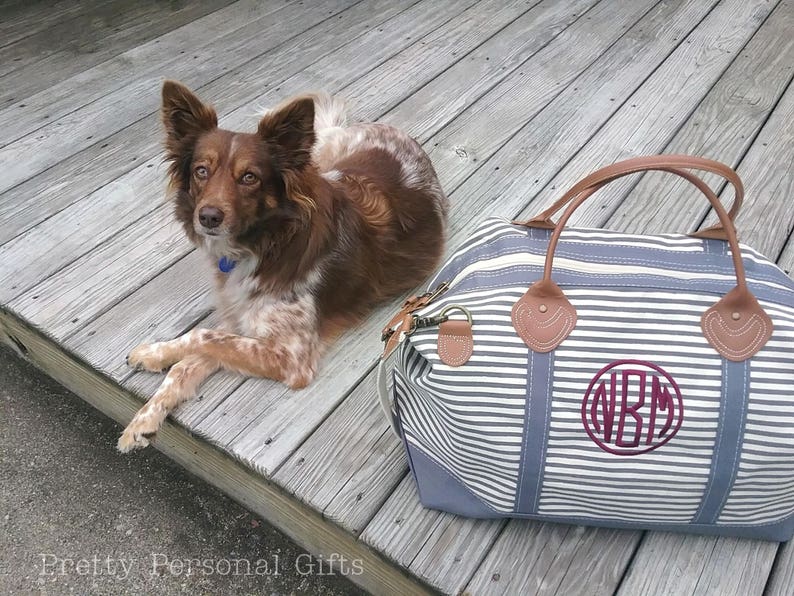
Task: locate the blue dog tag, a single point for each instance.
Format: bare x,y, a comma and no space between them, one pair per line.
226,264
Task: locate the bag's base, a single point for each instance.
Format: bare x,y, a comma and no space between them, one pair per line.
438,489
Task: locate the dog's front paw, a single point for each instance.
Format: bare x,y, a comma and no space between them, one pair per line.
139,433
151,357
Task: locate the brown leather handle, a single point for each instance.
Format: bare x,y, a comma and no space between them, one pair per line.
675,164
735,326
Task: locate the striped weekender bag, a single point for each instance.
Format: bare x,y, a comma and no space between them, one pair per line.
593,377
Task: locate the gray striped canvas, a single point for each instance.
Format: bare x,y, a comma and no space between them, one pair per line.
515,433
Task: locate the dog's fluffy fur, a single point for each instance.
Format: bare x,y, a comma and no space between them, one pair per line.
323,221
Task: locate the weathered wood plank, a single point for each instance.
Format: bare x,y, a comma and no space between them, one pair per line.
545,558
75,292
48,57
452,551
350,464
650,118
468,73
76,177
144,316
19,53
139,193
47,106
536,84
723,127
124,98
101,17
387,531
681,564
23,19
304,525
530,160
766,221
781,579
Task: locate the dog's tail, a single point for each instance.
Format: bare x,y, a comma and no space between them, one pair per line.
329,111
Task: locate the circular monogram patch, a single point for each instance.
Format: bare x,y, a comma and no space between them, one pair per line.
632,407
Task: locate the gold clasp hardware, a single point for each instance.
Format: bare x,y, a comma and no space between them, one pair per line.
443,314
421,322
411,305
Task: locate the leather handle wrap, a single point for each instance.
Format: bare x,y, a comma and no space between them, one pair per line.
736,326
675,164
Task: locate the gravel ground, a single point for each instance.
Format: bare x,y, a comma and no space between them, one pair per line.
78,517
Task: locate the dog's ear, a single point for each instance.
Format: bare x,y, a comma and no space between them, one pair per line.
289,132
184,116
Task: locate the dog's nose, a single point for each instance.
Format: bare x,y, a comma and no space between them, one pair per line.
210,217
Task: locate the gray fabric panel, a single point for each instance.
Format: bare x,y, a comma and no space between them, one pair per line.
538,410
725,464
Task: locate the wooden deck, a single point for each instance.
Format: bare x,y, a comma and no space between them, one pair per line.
514,100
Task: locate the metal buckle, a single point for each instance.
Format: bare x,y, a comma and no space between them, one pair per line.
462,309
412,304
421,322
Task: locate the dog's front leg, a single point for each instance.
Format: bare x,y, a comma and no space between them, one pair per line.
179,385
159,355
292,360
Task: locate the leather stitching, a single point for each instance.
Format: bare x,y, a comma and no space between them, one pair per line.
715,318
448,357
524,317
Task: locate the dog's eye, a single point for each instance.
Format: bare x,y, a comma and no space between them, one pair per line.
249,178
201,172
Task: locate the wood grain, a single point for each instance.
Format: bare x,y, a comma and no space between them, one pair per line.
431,103
651,116
471,138
348,467
722,127
544,558
781,579
75,178
50,56
22,19
128,86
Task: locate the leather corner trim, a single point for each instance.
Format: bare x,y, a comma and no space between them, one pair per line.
455,342
736,326
543,317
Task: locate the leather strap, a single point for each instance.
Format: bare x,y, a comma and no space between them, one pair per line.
736,326
675,164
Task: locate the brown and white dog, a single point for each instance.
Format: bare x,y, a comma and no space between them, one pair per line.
307,222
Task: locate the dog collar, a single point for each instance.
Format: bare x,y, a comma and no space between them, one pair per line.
226,264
